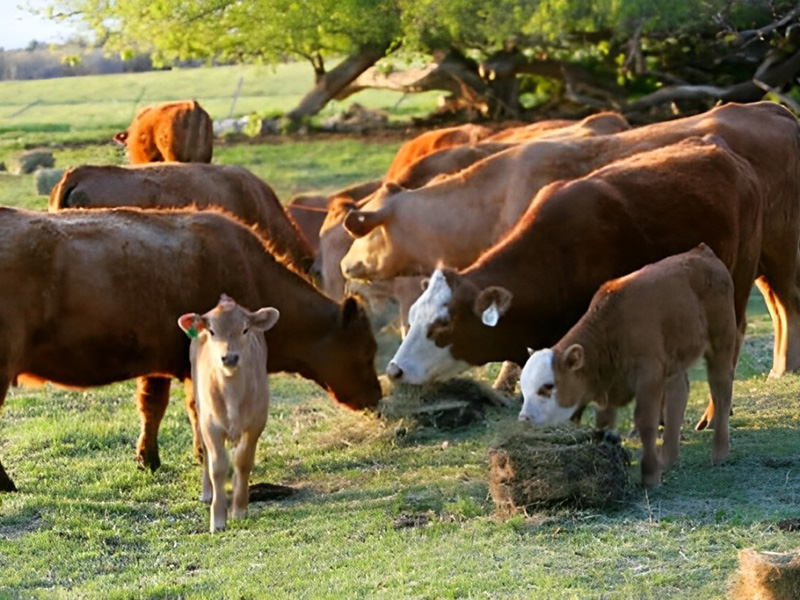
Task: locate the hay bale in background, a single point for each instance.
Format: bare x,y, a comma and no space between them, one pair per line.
453,403
767,576
29,161
46,180
537,467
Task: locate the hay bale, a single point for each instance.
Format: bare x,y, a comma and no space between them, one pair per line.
767,576
29,161
46,180
537,467
453,403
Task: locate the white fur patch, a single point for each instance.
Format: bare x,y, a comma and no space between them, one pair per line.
491,315
419,359
537,374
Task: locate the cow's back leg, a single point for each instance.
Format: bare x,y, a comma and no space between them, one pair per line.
720,381
6,485
779,283
152,397
676,394
646,414
191,412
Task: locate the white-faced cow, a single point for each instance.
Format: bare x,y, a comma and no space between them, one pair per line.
639,337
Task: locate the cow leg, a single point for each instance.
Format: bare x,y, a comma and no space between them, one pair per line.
720,381
649,393
207,492
217,458
779,323
507,378
191,412
676,394
152,397
243,461
6,484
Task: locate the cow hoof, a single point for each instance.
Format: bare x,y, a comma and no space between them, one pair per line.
144,463
6,485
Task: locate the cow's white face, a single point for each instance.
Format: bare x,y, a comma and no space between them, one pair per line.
540,397
419,360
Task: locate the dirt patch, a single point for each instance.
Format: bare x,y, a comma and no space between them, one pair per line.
536,467
18,527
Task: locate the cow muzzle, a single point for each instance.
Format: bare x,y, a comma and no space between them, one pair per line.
230,360
394,372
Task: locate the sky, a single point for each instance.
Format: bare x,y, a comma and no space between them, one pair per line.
18,26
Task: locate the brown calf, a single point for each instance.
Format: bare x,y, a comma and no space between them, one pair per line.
228,355
638,338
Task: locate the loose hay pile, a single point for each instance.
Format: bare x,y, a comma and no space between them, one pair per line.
453,403
537,467
767,576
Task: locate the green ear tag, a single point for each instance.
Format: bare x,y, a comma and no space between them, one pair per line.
192,332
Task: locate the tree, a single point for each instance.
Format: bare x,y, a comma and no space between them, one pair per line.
489,55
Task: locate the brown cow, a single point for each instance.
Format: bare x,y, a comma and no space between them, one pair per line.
81,313
457,219
639,337
431,141
175,185
602,123
231,389
176,131
529,289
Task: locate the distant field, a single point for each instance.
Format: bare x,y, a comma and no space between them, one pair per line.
74,109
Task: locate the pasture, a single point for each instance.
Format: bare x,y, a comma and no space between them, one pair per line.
382,509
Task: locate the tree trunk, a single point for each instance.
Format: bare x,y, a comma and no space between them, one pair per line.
331,84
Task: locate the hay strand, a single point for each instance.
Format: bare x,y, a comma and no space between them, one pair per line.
767,576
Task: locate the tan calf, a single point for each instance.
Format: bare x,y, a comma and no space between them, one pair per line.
638,338
228,354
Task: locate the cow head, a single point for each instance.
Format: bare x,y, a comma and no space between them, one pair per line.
377,252
121,137
451,312
227,331
552,385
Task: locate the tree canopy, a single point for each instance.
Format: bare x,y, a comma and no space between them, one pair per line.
493,56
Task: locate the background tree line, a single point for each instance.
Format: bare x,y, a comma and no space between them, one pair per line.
494,58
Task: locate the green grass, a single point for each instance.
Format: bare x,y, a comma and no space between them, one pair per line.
87,524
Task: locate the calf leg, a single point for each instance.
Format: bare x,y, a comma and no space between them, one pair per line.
649,393
720,380
242,466
6,485
191,412
152,397
217,459
507,378
676,394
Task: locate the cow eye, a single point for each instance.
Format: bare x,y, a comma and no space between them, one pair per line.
244,332
211,331
546,390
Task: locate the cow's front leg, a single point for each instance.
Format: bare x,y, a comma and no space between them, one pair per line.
152,397
243,464
217,458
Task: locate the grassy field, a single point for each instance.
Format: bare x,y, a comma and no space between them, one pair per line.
87,524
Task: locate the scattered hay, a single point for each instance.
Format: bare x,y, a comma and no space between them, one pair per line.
767,576
537,467
30,160
445,405
792,524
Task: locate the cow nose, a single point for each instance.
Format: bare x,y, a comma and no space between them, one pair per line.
394,372
230,360
523,417
353,270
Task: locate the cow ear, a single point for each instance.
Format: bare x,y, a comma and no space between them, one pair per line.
573,357
191,324
121,137
491,304
424,283
264,319
359,223
351,311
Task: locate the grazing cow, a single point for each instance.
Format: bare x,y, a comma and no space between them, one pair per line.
176,131
457,219
529,289
639,337
174,185
96,294
231,388
431,141
600,124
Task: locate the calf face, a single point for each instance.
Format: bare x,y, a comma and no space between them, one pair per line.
541,403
